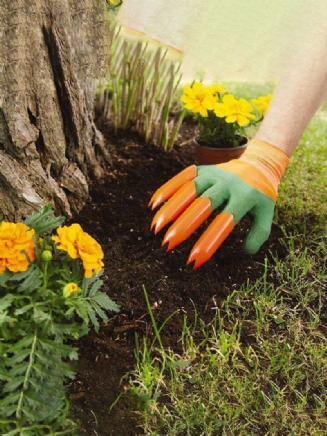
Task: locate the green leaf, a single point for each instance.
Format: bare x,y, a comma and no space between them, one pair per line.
23,309
95,288
4,375
14,384
23,343
43,221
94,320
90,281
18,357
104,301
32,281
21,275
99,311
9,399
40,316
4,318
4,277
18,369
54,362
6,301
74,354
44,372
56,347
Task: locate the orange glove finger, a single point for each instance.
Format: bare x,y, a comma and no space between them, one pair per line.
211,239
172,186
174,206
188,222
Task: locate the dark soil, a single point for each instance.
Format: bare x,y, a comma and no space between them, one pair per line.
118,217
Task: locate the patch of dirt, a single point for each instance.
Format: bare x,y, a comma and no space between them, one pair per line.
118,217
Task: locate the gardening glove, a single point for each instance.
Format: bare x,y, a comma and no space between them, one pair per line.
245,185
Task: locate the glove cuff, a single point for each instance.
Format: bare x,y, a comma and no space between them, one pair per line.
270,160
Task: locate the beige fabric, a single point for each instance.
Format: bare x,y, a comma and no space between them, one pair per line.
226,40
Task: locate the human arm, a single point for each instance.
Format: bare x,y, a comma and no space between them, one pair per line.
302,85
249,184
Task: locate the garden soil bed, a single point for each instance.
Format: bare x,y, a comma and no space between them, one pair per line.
118,217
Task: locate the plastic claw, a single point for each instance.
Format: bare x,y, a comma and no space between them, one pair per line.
188,222
169,188
174,206
211,239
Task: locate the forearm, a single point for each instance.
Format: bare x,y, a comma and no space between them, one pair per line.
301,90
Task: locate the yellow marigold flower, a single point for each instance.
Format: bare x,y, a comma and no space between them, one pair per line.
80,245
17,247
262,103
235,111
217,88
70,290
199,98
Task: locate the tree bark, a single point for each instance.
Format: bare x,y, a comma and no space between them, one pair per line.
50,148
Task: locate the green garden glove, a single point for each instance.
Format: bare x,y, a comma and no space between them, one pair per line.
245,185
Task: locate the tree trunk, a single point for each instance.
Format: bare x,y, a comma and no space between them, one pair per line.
50,50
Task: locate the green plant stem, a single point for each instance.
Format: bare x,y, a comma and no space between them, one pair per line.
31,361
45,276
153,321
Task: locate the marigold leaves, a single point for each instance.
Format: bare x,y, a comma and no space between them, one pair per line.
31,280
104,301
55,363
20,275
4,277
4,375
94,320
95,288
6,301
18,357
79,306
4,319
14,384
55,347
40,316
42,221
19,368
23,343
44,373
8,399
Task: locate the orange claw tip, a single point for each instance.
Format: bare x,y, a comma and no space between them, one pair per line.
174,206
188,222
211,239
172,186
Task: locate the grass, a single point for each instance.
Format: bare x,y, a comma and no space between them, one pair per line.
260,367
139,93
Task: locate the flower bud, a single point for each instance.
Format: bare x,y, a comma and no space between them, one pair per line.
70,290
46,255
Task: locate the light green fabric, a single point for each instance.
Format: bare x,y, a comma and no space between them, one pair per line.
224,188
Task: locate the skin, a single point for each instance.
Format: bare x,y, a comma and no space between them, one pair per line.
302,85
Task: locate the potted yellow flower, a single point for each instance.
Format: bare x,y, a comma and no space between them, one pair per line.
221,120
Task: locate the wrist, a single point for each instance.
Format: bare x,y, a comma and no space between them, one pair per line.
269,159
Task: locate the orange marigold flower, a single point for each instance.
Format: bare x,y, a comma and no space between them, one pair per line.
17,247
80,245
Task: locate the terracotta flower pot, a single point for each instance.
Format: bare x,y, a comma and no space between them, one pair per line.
215,155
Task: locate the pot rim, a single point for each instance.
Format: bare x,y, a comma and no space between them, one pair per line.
238,147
